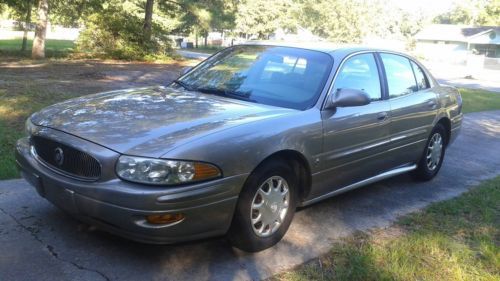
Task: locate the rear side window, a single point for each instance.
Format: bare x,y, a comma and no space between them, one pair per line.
422,81
360,72
399,72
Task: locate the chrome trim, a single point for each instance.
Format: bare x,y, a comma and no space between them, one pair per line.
376,178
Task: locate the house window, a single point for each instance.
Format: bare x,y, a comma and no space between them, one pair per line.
488,50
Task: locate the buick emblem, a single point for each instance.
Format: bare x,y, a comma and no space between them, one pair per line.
59,156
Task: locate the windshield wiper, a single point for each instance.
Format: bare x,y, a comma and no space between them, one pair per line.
183,85
226,93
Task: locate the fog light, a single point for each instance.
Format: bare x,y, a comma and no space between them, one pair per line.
164,218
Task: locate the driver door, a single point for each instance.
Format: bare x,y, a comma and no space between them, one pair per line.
355,139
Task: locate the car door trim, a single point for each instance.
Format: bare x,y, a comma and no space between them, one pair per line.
358,184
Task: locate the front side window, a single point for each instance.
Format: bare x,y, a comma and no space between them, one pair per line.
422,82
360,72
278,76
399,73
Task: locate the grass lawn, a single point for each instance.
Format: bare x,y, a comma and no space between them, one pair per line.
479,100
458,239
53,48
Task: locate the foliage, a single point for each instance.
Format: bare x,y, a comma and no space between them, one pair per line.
261,17
336,20
117,33
351,21
73,13
17,9
473,12
202,16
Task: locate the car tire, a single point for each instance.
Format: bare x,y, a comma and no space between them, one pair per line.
427,167
246,233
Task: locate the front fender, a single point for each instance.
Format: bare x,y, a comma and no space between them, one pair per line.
240,149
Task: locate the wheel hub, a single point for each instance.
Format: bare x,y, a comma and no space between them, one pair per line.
434,151
269,206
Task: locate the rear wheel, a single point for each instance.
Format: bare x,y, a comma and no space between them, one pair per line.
432,158
265,208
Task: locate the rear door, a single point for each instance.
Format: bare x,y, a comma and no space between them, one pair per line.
355,139
413,107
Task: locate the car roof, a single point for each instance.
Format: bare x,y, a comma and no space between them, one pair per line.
322,46
335,50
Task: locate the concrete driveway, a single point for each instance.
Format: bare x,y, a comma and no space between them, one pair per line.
39,242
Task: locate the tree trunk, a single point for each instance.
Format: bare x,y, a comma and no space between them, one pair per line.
196,38
148,20
38,50
26,26
206,40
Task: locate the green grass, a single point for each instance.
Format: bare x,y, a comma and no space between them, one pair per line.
207,50
14,108
8,139
457,239
479,100
53,48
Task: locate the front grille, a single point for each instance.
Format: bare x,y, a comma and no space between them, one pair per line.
66,159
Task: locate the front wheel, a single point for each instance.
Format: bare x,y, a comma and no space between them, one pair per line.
265,208
433,156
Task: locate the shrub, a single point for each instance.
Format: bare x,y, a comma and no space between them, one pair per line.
115,33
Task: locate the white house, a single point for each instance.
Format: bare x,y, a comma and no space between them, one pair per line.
456,42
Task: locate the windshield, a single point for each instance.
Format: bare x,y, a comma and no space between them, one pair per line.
278,76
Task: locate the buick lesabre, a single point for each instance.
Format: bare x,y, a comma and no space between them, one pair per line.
237,143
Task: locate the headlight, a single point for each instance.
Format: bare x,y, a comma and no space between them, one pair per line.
164,172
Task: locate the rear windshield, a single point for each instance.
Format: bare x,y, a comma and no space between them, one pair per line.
278,76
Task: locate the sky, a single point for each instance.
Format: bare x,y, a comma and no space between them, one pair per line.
431,6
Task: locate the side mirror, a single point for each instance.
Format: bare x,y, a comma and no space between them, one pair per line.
347,98
186,70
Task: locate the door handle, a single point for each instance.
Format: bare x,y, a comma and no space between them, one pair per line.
382,116
431,104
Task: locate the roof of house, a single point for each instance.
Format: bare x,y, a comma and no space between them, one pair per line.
450,32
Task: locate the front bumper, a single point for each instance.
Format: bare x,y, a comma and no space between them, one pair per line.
120,207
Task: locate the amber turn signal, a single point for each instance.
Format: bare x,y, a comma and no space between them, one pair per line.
205,171
164,218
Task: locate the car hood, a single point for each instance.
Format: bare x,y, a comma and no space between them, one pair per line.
150,121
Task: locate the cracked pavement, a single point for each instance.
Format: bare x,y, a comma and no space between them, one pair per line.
40,242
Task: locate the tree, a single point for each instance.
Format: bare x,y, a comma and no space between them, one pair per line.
22,12
148,20
203,16
38,49
490,15
27,23
261,17
473,12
